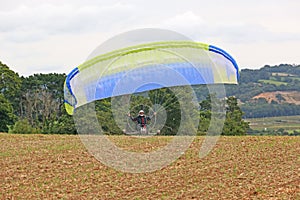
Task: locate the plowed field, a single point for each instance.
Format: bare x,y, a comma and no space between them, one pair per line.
59,167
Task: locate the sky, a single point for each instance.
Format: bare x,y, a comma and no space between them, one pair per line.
55,36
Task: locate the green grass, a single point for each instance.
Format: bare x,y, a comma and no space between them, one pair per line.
289,123
282,74
277,83
295,78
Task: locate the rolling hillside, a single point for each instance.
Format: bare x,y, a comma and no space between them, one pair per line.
268,92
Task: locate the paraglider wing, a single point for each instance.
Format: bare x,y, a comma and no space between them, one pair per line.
146,67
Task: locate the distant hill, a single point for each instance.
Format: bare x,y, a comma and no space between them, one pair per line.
269,91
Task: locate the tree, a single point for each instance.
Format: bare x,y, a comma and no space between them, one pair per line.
41,100
205,115
108,123
63,125
10,84
7,116
234,124
169,106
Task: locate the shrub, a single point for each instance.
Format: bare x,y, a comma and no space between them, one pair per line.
22,126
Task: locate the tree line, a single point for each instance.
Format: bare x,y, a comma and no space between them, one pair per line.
35,104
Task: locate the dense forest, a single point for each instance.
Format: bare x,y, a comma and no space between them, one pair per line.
35,104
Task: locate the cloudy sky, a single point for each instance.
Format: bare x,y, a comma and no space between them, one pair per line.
43,36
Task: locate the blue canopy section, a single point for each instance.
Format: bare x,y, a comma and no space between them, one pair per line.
150,78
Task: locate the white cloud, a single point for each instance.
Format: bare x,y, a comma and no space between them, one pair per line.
199,28
39,35
29,23
183,20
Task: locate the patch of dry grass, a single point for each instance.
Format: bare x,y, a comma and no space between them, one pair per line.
58,166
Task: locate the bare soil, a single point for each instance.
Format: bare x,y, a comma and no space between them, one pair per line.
289,97
59,167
